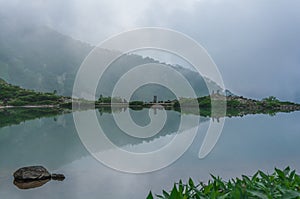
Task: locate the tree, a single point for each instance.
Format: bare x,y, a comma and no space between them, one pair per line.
271,99
101,98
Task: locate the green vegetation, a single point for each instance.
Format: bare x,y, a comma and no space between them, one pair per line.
16,96
281,184
236,106
108,100
274,102
136,103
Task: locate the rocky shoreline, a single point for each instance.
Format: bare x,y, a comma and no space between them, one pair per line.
266,106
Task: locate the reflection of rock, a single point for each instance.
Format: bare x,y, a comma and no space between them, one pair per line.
30,184
32,173
34,176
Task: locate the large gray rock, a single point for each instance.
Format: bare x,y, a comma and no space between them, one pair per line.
32,173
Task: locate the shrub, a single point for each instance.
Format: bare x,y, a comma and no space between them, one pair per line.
281,184
136,103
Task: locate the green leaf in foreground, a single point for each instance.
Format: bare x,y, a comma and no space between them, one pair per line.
150,196
281,184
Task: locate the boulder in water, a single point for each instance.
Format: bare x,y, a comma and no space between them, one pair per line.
32,173
34,176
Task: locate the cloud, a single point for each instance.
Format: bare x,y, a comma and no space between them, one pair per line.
255,43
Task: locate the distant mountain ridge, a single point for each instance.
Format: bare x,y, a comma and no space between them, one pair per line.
39,58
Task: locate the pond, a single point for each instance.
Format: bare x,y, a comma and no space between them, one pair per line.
246,144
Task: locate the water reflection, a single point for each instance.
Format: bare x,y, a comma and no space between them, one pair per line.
15,116
54,141
30,184
42,141
246,145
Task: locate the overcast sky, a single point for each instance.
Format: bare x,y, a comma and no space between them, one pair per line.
255,43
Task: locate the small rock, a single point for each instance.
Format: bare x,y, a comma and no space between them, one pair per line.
59,177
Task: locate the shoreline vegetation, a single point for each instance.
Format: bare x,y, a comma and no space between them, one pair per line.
280,184
16,97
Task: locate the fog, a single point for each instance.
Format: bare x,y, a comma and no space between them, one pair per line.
255,43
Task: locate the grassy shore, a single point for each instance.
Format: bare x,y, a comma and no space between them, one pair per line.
13,96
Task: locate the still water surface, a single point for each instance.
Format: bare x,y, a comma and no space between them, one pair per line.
246,144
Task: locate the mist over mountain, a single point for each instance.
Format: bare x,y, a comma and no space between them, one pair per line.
40,58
